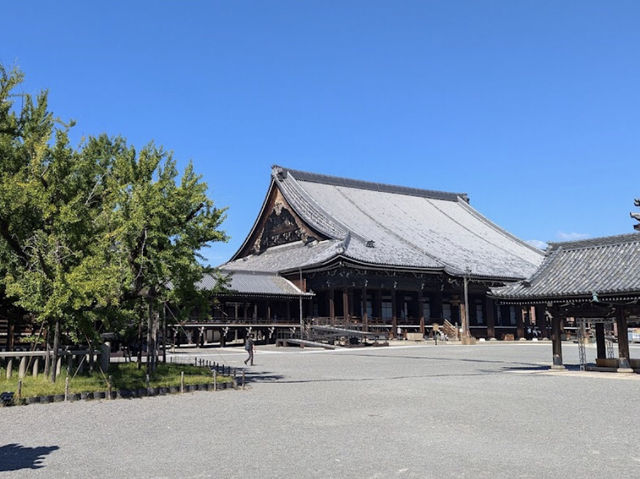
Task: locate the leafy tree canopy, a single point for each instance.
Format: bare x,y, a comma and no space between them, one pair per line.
87,234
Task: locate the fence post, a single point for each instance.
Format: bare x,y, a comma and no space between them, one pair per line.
109,387
10,368
19,389
36,367
215,380
66,388
146,382
23,366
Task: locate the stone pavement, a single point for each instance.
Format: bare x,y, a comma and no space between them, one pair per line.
489,410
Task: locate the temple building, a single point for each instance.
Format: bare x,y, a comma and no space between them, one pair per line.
595,285
371,256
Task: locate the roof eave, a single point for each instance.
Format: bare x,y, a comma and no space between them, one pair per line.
255,223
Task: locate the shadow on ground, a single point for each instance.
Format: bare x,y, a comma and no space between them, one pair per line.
14,457
253,376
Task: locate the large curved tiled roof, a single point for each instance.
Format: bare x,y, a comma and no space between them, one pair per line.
407,227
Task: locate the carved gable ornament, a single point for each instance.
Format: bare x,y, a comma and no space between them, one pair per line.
279,228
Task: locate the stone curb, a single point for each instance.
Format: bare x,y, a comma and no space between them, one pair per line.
125,393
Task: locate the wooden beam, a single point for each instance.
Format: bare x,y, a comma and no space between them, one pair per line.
394,313
332,305
556,341
421,309
345,304
623,340
365,318
600,341
489,307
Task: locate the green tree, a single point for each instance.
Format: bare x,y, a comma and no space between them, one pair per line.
50,203
159,221
93,235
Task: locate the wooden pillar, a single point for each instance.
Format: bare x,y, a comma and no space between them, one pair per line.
600,341
288,311
352,303
365,316
436,306
556,340
345,305
245,313
235,311
623,340
541,320
255,312
377,305
520,323
394,313
10,335
268,312
332,306
490,308
421,310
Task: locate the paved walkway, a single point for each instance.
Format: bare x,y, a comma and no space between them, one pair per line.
489,410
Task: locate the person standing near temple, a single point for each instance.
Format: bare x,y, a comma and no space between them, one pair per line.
250,347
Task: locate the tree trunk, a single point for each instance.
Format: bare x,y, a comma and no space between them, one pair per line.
90,358
152,334
139,359
10,333
56,345
47,358
164,333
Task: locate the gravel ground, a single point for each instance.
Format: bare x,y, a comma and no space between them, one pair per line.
489,410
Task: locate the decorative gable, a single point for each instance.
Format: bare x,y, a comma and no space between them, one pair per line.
278,225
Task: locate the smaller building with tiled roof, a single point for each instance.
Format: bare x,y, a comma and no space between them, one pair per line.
586,283
261,284
597,269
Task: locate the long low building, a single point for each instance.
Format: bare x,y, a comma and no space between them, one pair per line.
375,257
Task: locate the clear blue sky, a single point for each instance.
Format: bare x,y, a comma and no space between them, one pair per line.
531,107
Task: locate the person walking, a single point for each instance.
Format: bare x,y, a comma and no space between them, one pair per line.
250,347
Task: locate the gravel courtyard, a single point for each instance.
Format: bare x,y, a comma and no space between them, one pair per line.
489,410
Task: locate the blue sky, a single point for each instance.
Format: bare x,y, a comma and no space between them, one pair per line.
531,107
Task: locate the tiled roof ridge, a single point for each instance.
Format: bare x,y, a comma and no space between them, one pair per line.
248,271
595,242
369,185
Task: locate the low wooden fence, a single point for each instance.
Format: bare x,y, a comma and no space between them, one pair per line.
37,362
